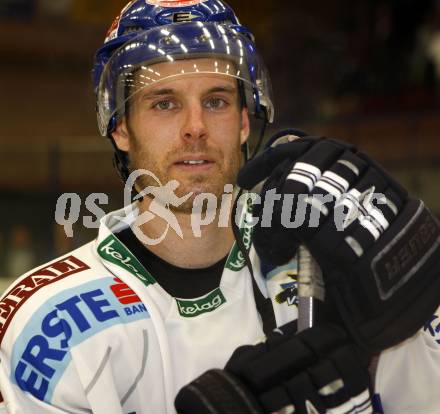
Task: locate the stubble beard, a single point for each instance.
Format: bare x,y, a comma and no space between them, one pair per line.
225,172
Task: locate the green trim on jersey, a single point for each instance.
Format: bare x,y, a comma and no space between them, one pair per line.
112,250
236,260
208,303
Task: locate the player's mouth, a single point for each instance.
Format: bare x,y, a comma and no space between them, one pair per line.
194,163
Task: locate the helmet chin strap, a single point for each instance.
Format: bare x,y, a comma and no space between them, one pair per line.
120,161
263,116
264,305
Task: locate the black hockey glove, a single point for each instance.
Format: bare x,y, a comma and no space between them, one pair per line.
378,248
315,371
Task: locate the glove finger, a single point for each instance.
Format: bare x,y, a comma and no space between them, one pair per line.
374,219
286,330
315,209
304,395
243,356
259,168
273,240
277,401
282,334
331,386
293,355
276,246
400,191
322,339
340,176
352,367
284,136
216,391
356,223
276,235
364,197
351,212
300,181
357,197
276,365
387,203
309,167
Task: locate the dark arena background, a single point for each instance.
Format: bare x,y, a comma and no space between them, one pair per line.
366,71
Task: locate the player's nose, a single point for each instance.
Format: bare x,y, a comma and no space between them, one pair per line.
194,125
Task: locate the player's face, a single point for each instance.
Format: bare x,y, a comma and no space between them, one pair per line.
189,128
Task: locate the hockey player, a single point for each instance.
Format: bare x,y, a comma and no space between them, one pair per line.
123,323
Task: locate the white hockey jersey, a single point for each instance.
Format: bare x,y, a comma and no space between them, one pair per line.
94,332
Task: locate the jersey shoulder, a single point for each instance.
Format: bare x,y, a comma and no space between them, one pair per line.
57,316
36,288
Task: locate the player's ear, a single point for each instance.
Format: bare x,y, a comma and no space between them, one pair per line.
245,126
121,136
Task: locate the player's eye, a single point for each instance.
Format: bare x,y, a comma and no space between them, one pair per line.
164,105
216,103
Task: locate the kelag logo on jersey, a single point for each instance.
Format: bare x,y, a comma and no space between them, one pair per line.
210,302
114,251
41,352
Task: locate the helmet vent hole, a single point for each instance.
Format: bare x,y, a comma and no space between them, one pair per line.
133,29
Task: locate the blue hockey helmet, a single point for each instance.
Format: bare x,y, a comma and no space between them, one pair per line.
149,32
